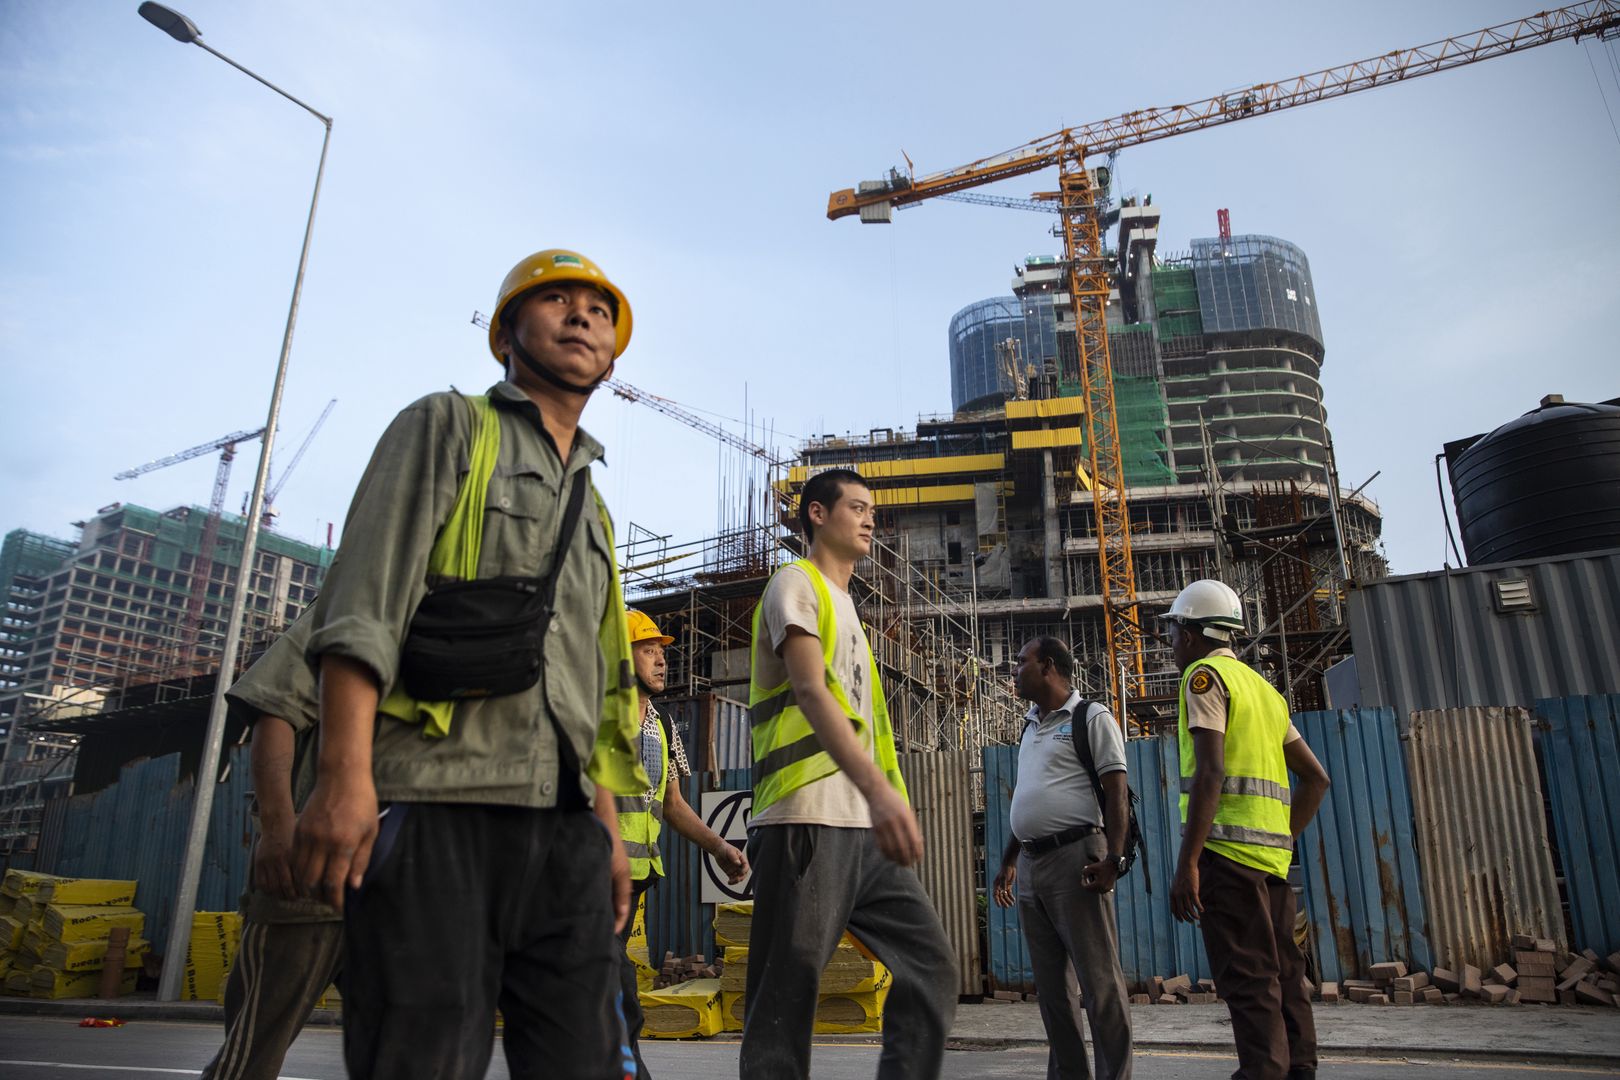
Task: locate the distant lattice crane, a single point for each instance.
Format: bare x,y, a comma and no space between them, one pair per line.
202,563
275,489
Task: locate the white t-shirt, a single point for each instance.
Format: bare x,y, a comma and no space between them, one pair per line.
1054,792
790,601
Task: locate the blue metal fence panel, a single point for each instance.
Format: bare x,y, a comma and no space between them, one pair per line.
1151,941
1579,740
1006,956
136,828
1363,892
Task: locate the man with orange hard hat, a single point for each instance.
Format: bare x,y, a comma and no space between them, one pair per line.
477,715
643,815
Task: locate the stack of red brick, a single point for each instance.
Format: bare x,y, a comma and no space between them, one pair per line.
1176,990
1539,973
678,969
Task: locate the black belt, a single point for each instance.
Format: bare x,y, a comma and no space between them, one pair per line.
1057,840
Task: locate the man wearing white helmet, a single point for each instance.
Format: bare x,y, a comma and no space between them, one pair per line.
1240,817
476,714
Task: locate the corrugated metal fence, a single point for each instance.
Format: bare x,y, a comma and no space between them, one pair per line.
942,795
1487,863
1579,740
136,830
1359,857
1360,876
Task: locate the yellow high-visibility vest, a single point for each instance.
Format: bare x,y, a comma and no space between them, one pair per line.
1251,825
787,753
641,821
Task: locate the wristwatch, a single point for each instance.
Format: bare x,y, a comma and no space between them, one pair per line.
1122,864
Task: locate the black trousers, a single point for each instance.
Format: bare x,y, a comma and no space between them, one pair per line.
470,908
1248,925
629,992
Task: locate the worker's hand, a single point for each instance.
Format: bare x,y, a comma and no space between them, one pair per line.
272,858
1099,877
894,825
1005,891
619,868
731,860
332,842
1184,902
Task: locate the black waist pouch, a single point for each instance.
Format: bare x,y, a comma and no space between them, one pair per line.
473,639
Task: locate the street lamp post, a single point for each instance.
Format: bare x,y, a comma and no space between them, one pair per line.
185,31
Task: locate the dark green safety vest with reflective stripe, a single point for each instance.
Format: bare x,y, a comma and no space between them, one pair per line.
641,821
1251,824
787,753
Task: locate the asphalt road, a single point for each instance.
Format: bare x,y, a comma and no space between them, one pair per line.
37,1048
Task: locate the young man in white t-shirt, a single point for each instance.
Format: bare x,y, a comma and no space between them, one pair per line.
833,833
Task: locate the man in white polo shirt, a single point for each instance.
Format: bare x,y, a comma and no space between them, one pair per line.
1066,853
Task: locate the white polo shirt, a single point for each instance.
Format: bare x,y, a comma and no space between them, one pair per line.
1054,793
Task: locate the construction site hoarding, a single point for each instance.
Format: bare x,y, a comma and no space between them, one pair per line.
941,792
1578,739
1503,634
1482,834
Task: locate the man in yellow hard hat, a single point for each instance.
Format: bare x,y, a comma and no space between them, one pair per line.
476,687
642,816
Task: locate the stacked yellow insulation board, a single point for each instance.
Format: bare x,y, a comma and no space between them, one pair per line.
215,937
853,985
54,933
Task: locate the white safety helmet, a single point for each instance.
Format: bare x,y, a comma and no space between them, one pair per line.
1209,605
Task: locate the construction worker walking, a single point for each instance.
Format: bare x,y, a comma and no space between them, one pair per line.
832,832
1240,817
642,816
477,690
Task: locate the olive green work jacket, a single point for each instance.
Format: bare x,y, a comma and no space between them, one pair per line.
499,750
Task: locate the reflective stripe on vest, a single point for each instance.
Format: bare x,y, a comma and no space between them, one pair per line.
1251,823
641,822
787,753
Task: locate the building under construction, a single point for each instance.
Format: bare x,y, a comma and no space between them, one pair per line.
120,614
986,525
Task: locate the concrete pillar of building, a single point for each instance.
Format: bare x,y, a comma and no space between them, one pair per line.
1049,518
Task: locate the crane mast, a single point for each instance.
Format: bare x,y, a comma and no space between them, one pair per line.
1087,271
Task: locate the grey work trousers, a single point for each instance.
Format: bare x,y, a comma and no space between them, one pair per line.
1064,923
280,972
810,883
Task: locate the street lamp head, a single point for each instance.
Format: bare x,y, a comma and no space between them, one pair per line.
171,22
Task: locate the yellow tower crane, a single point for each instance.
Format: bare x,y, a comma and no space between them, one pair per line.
1077,201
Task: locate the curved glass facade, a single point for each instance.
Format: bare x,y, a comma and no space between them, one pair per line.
1255,283
978,378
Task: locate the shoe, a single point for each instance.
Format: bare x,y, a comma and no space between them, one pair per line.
1302,1072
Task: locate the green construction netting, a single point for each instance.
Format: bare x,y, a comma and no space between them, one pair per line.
1175,300
1174,289
1140,409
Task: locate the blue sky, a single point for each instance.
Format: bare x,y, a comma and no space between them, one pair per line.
1463,230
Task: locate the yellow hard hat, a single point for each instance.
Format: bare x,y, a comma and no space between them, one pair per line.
642,628
547,268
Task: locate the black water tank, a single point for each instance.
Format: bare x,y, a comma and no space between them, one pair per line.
1545,484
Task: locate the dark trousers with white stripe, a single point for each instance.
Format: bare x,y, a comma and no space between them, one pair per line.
280,972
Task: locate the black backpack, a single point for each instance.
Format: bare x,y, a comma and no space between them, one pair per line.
1134,844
